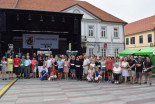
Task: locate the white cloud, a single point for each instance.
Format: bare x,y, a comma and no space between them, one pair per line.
128,10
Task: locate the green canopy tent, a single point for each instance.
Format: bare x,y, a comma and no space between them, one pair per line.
150,52
128,52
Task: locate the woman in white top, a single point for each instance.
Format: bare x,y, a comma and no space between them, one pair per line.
90,76
103,66
116,71
124,67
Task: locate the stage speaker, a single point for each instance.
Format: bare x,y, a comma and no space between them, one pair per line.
84,49
2,22
75,26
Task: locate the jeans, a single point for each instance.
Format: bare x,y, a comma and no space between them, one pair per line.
27,71
22,71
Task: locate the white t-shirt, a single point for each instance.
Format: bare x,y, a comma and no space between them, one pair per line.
117,70
86,62
44,69
48,63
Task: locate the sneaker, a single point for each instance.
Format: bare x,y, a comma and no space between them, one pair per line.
145,82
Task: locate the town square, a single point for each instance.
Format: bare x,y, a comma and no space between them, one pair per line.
77,52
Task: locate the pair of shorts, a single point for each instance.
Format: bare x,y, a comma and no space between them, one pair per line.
139,74
109,71
132,73
99,76
72,71
0,68
148,74
60,70
85,70
103,69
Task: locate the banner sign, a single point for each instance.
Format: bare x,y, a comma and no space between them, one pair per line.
40,41
44,52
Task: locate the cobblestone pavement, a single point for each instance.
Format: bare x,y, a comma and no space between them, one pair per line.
34,91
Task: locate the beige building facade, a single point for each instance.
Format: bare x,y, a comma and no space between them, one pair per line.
140,40
140,34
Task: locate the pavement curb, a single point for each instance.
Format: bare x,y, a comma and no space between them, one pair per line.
4,90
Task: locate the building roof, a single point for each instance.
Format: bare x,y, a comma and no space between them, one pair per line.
58,5
140,26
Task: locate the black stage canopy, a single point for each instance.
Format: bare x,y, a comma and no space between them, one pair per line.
16,22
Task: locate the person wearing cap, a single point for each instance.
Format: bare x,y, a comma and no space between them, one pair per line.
17,62
4,68
10,66
98,74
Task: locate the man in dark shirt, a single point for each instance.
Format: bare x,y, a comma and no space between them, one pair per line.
132,63
139,69
72,67
148,65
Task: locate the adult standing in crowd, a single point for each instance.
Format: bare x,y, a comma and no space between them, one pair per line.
103,67
139,69
10,66
148,65
132,69
34,67
66,68
86,64
79,71
124,67
4,68
49,63
60,68
27,67
72,67
109,66
22,67
17,62
40,65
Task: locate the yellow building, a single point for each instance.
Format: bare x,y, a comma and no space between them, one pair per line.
140,34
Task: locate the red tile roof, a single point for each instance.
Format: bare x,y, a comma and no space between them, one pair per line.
59,5
140,26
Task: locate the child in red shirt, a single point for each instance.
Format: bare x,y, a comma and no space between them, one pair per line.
53,73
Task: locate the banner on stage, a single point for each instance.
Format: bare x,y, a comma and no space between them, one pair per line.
40,41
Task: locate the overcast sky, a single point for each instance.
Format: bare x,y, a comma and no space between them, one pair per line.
127,10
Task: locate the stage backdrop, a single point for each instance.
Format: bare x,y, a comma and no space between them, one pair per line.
40,41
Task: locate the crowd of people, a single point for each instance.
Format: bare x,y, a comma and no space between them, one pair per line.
90,68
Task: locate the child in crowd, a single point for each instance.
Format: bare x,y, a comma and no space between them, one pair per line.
98,75
90,76
53,73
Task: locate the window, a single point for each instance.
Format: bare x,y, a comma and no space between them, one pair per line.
116,52
127,41
140,39
115,32
132,40
103,52
90,51
103,32
91,30
149,38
